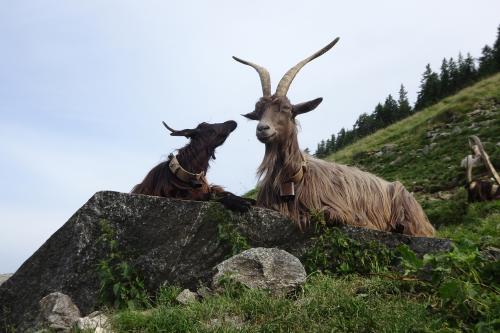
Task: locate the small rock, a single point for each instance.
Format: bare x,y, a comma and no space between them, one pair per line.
388,147
440,135
186,296
204,292
426,150
96,321
456,130
396,161
491,253
235,322
379,154
432,145
447,159
443,195
475,113
58,312
262,268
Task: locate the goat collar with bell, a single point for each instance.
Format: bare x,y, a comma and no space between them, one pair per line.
287,189
193,179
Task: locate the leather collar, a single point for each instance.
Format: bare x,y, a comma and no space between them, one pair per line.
297,177
194,179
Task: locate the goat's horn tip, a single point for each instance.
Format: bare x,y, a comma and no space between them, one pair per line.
335,41
168,127
240,60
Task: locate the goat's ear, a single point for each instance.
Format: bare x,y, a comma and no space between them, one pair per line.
188,133
252,115
306,106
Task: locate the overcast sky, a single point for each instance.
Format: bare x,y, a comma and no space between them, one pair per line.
84,86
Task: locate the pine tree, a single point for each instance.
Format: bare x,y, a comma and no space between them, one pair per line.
429,89
453,70
377,123
349,137
487,64
445,79
391,109
461,79
340,139
404,108
331,148
469,70
496,51
320,151
364,125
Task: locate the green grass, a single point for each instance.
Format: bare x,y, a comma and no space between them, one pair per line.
324,304
464,294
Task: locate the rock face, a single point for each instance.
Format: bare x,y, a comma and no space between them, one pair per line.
262,268
166,240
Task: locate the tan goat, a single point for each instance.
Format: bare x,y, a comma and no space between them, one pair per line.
297,184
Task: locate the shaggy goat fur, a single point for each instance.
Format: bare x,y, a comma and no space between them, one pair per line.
344,194
193,158
161,182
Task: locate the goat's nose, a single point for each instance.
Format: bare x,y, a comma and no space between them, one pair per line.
262,127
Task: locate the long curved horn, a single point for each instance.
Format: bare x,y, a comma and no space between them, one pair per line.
287,79
168,127
265,79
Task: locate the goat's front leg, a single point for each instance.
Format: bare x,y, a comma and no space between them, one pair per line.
232,201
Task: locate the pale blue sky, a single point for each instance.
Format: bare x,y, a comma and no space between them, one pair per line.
84,86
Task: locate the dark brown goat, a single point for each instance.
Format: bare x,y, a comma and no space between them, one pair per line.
183,176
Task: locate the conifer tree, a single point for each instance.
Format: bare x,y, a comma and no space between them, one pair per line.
364,125
391,109
461,77
404,108
429,89
453,70
320,151
340,139
445,79
377,123
331,147
496,51
487,64
469,70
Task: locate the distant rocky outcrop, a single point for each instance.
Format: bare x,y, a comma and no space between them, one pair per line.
4,277
167,241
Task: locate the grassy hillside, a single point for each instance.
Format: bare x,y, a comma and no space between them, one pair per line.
425,150
451,292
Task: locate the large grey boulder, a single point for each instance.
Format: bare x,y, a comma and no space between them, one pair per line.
262,268
167,241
